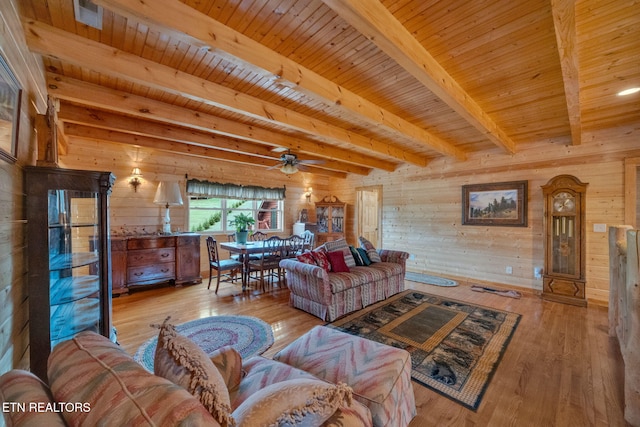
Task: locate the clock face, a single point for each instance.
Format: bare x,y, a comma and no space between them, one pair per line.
564,202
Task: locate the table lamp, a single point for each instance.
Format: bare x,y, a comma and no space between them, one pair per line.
168,194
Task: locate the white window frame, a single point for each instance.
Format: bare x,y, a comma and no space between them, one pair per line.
250,206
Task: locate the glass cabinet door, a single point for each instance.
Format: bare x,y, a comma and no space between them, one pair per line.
74,267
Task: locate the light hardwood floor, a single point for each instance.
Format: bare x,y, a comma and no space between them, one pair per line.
560,369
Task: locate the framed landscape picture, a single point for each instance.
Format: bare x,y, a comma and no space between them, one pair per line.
9,113
500,204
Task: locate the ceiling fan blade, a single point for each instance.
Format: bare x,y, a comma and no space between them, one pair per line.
311,162
274,167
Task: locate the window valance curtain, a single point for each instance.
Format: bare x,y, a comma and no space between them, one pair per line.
233,191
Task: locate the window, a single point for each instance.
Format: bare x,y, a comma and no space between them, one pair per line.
212,214
212,205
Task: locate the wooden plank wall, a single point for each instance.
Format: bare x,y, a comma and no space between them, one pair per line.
422,209
135,212
14,311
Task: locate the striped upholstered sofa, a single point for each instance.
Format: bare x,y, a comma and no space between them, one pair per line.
330,295
93,381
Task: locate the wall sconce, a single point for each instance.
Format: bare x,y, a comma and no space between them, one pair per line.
307,194
135,179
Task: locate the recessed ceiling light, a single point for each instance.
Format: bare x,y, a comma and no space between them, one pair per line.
629,91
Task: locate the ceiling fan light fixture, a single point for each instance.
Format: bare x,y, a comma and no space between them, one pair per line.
288,169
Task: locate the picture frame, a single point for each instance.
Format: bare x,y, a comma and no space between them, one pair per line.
10,96
496,204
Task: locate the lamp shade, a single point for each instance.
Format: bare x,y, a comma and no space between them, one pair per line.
288,169
168,194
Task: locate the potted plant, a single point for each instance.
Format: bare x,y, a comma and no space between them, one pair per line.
241,222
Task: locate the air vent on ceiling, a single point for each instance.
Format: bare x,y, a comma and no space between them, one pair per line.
88,13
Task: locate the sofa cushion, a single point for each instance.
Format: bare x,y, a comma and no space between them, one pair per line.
371,250
338,264
379,270
307,258
229,363
322,260
297,402
91,369
341,245
19,387
261,372
183,362
356,256
364,256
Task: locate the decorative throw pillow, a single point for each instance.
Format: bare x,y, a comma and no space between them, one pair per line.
338,265
229,364
341,245
296,402
307,258
184,363
320,255
363,256
371,250
356,255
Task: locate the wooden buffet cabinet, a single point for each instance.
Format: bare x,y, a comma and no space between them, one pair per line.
141,261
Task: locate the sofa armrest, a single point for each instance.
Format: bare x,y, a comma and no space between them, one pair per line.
306,280
389,255
298,267
27,398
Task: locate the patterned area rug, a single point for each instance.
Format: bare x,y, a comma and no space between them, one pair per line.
429,280
249,335
455,346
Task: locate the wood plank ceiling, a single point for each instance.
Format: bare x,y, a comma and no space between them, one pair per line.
356,84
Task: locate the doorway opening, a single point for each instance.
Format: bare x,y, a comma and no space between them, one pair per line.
369,213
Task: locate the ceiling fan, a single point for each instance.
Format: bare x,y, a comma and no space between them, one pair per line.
290,164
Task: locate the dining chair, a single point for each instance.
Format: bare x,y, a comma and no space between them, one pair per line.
293,246
268,263
309,240
231,237
229,267
258,236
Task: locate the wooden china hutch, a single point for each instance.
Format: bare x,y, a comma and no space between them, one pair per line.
331,215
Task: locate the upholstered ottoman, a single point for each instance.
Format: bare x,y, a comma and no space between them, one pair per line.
380,375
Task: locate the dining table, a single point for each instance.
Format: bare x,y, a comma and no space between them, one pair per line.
244,250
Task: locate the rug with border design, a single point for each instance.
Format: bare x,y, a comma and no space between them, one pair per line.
247,334
455,346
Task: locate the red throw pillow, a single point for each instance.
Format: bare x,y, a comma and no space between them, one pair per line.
338,263
321,259
307,258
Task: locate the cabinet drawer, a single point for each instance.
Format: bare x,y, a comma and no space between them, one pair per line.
151,243
151,273
150,256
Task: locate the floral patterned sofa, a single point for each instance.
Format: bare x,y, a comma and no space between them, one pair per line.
329,295
93,381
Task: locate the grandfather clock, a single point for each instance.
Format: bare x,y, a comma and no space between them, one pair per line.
564,245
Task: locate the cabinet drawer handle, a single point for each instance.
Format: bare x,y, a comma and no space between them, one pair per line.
138,274
164,270
164,255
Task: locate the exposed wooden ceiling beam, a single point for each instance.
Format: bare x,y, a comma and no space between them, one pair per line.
97,134
136,106
564,20
375,22
48,40
101,119
177,18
